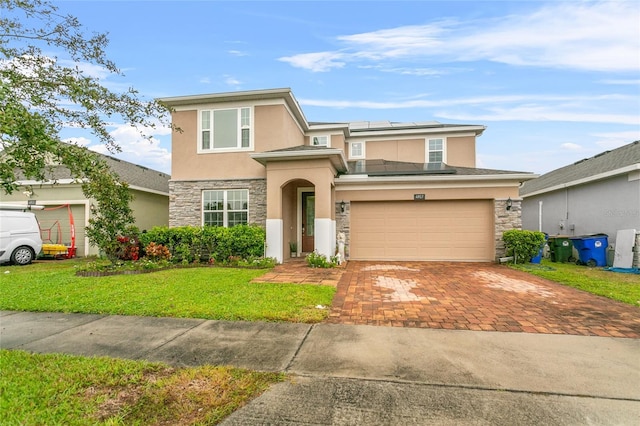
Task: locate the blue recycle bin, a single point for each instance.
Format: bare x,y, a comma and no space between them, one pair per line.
538,257
592,249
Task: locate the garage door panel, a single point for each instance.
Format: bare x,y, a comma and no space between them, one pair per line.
436,230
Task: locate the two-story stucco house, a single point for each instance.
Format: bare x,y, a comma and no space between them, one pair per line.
398,191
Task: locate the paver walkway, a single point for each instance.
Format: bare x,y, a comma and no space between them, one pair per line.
296,271
473,296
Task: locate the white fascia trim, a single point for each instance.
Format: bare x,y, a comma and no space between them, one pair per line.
79,182
434,185
225,96
338,127
471,130
302,155
240,99
51,182
605,175
358,179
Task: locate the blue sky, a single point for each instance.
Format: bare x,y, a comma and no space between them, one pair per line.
554,82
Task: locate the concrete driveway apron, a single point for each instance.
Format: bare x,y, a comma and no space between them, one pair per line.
474,296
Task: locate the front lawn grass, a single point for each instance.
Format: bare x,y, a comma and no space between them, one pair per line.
72,390
207,293
614,285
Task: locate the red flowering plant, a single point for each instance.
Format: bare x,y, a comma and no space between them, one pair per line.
128,246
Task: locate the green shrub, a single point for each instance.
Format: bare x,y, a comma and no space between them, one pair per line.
316,260
523,245
188,244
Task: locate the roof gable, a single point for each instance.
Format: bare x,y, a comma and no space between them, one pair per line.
605,163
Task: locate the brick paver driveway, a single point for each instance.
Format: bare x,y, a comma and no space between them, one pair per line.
474,296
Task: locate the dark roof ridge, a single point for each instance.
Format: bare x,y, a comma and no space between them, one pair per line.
601,163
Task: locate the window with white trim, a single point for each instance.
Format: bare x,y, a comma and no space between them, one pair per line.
356,150
225,129
320,140
227,208
436,151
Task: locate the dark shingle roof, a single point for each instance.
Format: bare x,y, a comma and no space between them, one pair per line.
400,168
139,176
130,173
300,148
604,162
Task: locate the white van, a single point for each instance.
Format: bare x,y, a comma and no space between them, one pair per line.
20,240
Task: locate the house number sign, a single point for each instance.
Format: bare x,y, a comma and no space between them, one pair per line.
419,197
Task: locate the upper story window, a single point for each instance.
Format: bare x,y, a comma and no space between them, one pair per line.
320,140
356,150
436,151
225,129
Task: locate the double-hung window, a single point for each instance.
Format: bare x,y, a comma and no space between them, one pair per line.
356,150
436,150
225,207
225,129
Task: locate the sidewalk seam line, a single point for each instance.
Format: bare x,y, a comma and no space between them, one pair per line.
470,387
172,339
304,339
66,329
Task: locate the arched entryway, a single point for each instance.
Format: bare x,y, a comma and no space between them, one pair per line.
301,201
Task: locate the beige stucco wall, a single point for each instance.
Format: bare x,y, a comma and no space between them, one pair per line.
318,172
411,150
150,209
338,142
461,151
274,128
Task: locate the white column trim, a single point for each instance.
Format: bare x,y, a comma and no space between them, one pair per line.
275,246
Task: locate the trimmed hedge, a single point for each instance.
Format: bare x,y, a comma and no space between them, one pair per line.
522,244
200,244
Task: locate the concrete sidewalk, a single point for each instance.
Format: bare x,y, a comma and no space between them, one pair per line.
346,374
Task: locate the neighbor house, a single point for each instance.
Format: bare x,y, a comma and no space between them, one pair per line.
65,203
396,191
600,194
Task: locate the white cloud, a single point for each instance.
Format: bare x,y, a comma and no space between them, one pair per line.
237,53
567,108
80,141
569,146
135,148
205,80
232,81
614,140
316,62
629,82
575,35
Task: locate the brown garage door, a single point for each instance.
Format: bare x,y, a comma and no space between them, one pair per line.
426,230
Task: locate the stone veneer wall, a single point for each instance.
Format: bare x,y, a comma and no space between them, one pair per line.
185,199
505,220
636,254
343,224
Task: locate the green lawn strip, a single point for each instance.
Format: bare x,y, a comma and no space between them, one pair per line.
614,285
208,293
73,390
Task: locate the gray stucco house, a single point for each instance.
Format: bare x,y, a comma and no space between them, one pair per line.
600,194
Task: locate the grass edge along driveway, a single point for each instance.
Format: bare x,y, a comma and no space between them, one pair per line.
206,293
613,285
